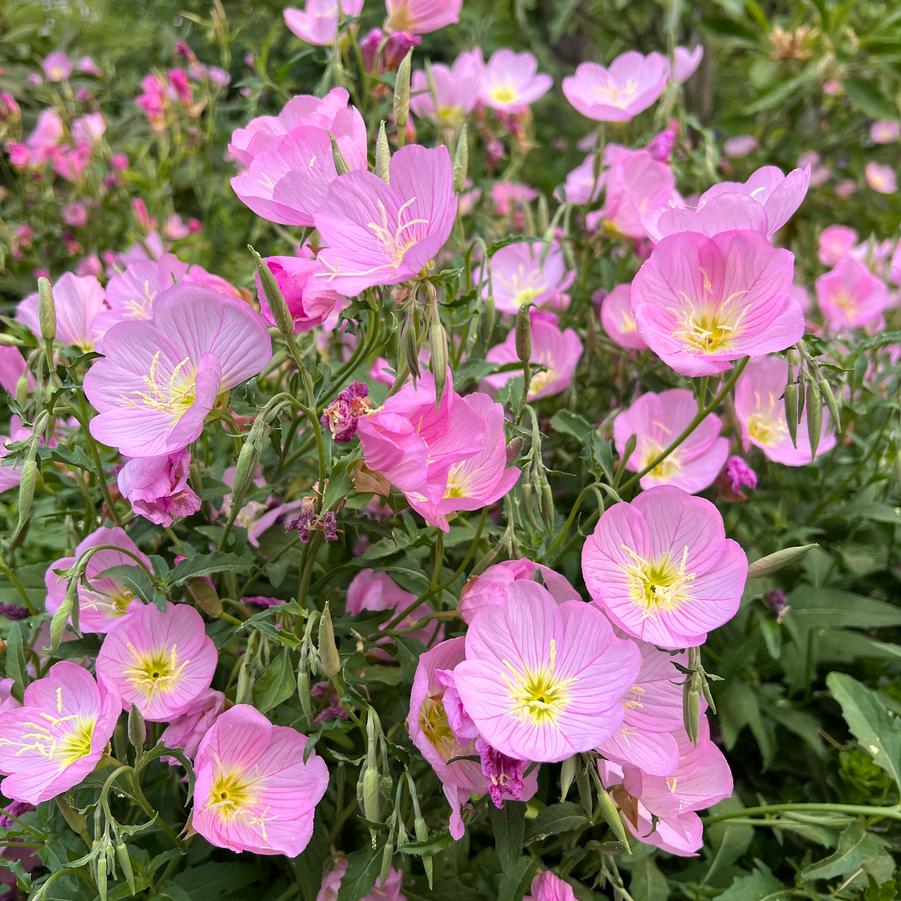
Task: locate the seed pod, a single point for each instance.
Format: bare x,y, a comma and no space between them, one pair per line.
137,729
46,310
329,661
524,334
341,166
382,155
26,495
277,304
461,159
125,865
402,95
814,409
791,411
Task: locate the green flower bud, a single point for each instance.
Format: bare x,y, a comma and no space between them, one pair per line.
524,334
372,802
567,775
329,661
402,95
137,729
612,815
461,160
277,305
791,411
814,410
125,865
46,310
382,155
341,166
26,495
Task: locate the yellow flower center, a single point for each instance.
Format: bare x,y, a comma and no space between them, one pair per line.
613,94
230,793
504,93
541,380
457,482
174,395
77,743
539,695
661,584
710,325
434,724
154,672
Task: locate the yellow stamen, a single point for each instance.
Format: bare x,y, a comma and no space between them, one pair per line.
661,584
539,695
154,671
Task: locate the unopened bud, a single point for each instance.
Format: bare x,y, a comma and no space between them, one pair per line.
567,775
831,403
329,661
612,815
814,409
205,597
461,160
438,356
382,155
303,692
791,411
772,563
524,334
402,95
27,484
372,802
341,166
125,865
46,310
276,300
137,729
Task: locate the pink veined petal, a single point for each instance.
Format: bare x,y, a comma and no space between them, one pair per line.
657,753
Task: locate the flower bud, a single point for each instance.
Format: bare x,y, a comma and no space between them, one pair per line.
791,411
772,563
102,876
329,661
567,774
205,596
402,95
814,409
612,815
26,495
372,802
831,404
46,310
303,692
438,355
383,155
277,304
461,160
125,865
137,729
524,334
341,166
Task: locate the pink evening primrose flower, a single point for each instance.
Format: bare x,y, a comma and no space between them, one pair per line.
57,66
422,16
444,458
656,420
456,89
308,301
158,661
157,487
547,886
317,23
78,301
541,680
103,602
760,409
739,146
254,791
885,131
389,890
160,378
702,302
880,178
619,320
530,273
850,296
381,234
686,62
50,743
662,568
12,368
556,351
619,92
490,589
511,81
187,729
836,242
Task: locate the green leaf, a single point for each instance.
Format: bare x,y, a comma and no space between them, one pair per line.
569,423
877,730
648,882
727,841
759,886
213,880
516,878
208,565
738,706
363,868
817,606
865,94
15,659
276,685
508,824
856,846
562,817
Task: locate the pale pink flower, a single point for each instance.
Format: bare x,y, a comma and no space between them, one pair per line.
619,320
556,351
157,487
10,476
885,131
547,886
74,214
12,368
819,173
188,729
686,62
106,599
656,420
160,378
850,296
444,458
254,790
7,701
381,234
530,273
89,129
619,92
847,187
422,16
389,890
159,661
511,197
87,66
702,302
308,301
583,184
58,735
57,66
511,81
456,89
317,23
662,568
760,409
836,242
739,146
78,301
881,178
541,680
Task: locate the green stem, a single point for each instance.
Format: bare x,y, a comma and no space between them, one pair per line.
17,584
98,463
892,813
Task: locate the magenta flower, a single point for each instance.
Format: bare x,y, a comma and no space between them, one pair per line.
317,23
50,743
57,66
102,603
541,680
160,378
308,302
444,458
662,568
881,178
342,415
160,662
157,487
530,273
621,91
422,16
738,475
686,62
836,242
760,409
491,588
511,81
381,234
850,296
656,420
254,792
619,320
547,886
78,301
556,352
702,302
456,89
188,729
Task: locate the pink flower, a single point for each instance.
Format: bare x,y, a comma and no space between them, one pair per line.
511,81
739,475
381,234
686,62
847,187
188,729
583,185
547,886
511,197
9,107
89,129
289,158
491,588
885,131
619,320
541,680
103,603
78,301
254,792
422,16
530,273
444,458
739,146
702,302
389,890
836,242
12,368
621,91
7,701
50,743
57,66
556,352
317,23
160,662
157,487
881,178
10,476
87,66
662,569
308,302
850,296
160,378
760,409
456,89
656,420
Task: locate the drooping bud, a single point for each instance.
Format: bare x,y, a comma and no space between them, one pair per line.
777,602
524,334
137,729
27,484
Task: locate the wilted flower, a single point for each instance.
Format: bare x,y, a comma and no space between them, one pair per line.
341,416
777,602
739,475
157,487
